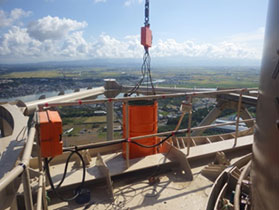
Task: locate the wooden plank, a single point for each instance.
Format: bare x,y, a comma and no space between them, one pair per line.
210,149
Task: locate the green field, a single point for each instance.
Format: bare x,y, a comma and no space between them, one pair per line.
226,77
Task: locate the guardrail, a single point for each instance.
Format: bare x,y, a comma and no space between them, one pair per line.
190,95
22,167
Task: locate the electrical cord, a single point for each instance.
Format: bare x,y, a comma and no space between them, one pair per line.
78,189
154,145
104,144
75,151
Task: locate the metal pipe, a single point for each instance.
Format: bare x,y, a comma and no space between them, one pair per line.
109,120
127,134
32,106
243,174
189,127
40,192
11,176
15,172
118,141
28,200
237,119
42,189
125,99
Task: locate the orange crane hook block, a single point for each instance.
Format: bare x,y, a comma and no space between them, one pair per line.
50,133
146,37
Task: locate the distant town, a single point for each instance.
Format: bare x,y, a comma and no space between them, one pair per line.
17,82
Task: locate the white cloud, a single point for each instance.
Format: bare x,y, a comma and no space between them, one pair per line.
98,1
225,49
7,19
53,38
108,47
53,28
128,3
17,42
75,46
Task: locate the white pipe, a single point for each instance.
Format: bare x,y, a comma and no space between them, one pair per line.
161,96
15,172
31,106
243,174
40,192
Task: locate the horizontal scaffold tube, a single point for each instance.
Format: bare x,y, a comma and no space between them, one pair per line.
119,141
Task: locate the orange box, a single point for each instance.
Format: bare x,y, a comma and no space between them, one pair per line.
146,36
50,133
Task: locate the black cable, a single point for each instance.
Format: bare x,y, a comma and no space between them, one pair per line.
154,145
145,70
109,143
78,189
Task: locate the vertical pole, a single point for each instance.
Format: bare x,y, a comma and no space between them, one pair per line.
127,134
27,189
189,127
238,115
40,166
109,120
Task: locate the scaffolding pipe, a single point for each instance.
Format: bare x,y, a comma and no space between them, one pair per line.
40,192
15,172
125,99
110,120
189,127
119,141
127,135
237,119
28,200
243,174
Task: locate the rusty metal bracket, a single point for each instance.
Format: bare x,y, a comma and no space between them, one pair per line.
176,155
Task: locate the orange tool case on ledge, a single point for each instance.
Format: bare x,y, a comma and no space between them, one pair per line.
50,133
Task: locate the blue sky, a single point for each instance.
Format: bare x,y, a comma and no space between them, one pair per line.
47,30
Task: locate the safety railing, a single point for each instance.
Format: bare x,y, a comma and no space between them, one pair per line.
22,167
188,95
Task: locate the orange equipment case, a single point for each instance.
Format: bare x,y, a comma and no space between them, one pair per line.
143,120
50,133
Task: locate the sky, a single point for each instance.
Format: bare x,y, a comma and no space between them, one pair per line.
61,30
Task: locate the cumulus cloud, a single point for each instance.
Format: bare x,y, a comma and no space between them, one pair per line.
53,28
7,19
108,47
171,47
53,38
75,45
17,42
